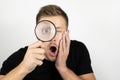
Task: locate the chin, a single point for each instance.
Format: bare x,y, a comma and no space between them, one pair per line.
52,59
51,52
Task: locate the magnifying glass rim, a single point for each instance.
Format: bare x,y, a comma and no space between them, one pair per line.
36,33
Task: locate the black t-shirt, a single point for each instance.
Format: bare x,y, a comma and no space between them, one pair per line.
78,61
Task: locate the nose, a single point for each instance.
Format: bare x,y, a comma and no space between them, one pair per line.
54,40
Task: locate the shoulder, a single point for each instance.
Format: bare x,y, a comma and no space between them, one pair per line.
75,42
78,50
77,45
19,53
17,56
13,60
79,59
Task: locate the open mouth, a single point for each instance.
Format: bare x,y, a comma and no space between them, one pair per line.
53,49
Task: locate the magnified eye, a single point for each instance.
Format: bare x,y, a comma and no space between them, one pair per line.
46,31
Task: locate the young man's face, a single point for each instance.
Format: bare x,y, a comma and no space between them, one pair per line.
52,47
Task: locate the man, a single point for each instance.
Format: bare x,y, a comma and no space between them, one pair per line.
69,60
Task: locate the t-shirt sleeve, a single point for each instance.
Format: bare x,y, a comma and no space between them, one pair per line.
12,61
84,61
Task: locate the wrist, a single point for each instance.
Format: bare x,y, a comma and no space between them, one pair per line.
23,69
62,69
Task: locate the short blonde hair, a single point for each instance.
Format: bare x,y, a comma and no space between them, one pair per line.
51,10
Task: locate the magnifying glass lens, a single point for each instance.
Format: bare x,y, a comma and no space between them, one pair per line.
45,30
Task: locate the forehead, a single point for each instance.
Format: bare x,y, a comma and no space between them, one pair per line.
58,21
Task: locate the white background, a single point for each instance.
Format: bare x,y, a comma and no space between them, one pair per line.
94,22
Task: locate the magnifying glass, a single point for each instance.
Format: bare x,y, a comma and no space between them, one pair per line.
45,30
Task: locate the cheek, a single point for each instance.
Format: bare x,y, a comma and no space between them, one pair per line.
58,36
45,45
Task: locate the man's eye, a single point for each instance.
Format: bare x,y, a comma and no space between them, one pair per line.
46,30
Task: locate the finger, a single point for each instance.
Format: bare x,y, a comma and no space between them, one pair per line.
38,51
63,42
60,47
39,57
36,44
38,62
67,38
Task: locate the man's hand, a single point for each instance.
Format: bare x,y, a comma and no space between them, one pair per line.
63,52
33,57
